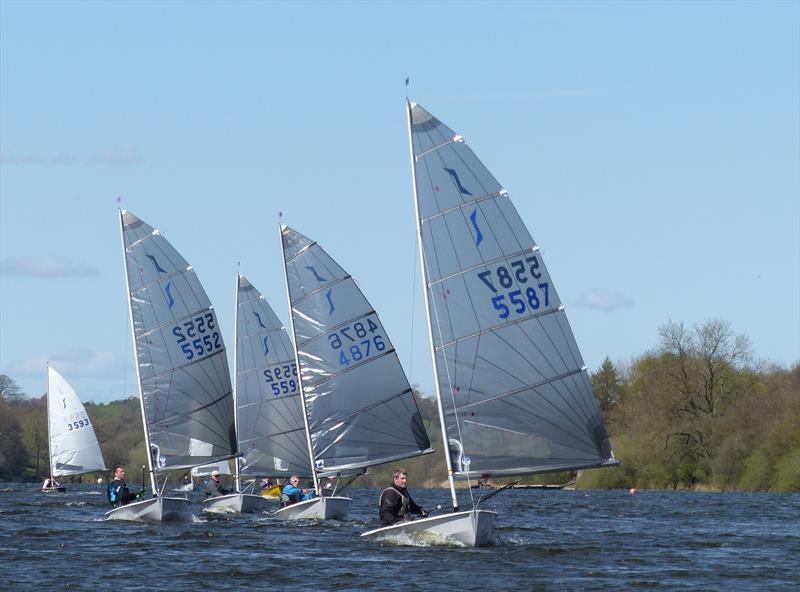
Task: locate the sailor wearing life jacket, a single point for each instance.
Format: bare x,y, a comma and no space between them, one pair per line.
396,504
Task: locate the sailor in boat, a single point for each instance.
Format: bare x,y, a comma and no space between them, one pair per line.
213,487
396,504
118,492
293,493
186,479
50,482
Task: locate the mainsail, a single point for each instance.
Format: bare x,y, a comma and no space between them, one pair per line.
271,430
514,393
73,444
185,388
360,408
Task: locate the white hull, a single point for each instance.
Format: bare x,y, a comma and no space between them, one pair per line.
472,528
157,509
238,503
319,508
185,488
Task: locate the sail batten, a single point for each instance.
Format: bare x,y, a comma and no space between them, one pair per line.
514,394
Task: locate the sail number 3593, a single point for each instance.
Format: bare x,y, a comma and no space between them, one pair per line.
522,299
198,336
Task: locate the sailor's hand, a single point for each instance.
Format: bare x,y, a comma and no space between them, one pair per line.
424,514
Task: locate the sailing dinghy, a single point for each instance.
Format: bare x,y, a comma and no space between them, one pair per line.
72,443
269,415
360,410
513,394
182,370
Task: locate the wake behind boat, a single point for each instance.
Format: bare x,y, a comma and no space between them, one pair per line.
470,528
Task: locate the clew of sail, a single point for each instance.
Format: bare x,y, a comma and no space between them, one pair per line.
73,444
360,407
182,367
271,430
515,395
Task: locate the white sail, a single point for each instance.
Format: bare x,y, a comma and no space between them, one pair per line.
73,444
271,430
515,396
360,408
182,367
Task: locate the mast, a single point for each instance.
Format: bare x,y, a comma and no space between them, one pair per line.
235,385
299,372
136,354
49,436
423,270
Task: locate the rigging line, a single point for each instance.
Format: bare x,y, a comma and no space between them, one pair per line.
413,309
438,323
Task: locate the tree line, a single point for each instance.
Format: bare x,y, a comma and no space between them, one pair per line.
697,412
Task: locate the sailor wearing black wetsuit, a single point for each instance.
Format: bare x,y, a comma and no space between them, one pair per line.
118,492
396,504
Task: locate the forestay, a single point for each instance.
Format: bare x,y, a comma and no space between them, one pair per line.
516,397
184,383
272,436
73,445
360,407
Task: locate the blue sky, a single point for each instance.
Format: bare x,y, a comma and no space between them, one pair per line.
652,149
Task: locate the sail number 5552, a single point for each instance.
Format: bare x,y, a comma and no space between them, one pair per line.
522,299
197,337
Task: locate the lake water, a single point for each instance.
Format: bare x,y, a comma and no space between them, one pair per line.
543,540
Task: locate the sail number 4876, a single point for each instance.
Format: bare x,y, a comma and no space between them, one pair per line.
522,299
356,342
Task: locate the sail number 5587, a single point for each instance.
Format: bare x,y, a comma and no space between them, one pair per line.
519,300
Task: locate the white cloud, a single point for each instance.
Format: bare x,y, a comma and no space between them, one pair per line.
118,157
49,268
10,158
605,300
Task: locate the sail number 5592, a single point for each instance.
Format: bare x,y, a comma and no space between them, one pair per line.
519,300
